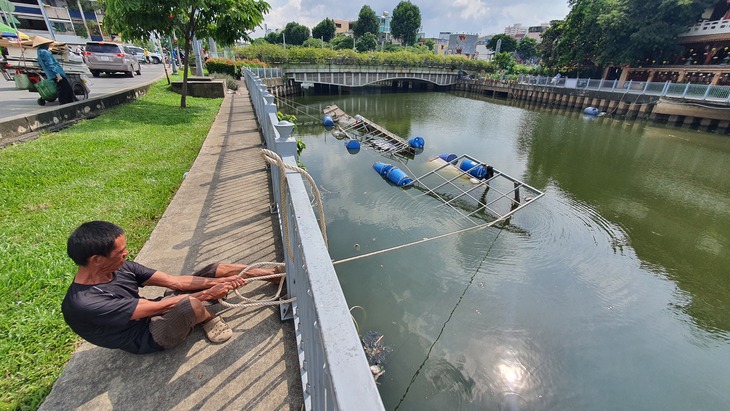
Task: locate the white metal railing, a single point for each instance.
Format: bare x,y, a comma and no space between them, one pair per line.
266,72
334,371
708,27
702,92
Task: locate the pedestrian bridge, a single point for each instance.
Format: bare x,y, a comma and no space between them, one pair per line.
359,76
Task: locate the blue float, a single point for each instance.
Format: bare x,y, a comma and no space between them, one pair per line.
592,111
392,173
398,177
327,121
352,145
416,142
382,168
448,157
475,169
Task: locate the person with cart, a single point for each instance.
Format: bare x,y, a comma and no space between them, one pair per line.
53,70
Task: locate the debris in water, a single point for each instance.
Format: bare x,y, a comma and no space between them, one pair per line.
375,352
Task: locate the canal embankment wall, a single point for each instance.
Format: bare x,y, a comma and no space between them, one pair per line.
700,115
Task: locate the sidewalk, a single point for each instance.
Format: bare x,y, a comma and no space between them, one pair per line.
220,213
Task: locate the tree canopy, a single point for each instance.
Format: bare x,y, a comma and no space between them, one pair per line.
225,21
295,34
366,42
406,22
509,43
273,38
342,42
527,48
324,30
605,32
367,22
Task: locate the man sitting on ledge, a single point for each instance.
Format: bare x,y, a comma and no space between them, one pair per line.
103,304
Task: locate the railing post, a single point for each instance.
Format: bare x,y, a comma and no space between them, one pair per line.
628,87
685,90
646,86
665,90
707,92
615,82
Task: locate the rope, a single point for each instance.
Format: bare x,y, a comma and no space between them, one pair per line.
463,230
443,327
274,159
249,302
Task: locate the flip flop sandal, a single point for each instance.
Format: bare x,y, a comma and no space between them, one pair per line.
217,330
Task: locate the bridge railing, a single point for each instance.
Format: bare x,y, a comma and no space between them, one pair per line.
702,92
334,371
267,72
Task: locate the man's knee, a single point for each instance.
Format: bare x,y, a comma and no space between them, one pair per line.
172,328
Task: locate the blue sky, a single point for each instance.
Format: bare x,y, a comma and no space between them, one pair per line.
470,16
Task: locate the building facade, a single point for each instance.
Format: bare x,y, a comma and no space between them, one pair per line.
57,19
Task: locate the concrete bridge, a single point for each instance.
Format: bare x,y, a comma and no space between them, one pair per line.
359,76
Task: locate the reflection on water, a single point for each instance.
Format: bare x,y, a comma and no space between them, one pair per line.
611,291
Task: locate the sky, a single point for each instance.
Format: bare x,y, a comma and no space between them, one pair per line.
457,16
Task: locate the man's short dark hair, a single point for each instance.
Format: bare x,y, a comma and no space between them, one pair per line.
90,239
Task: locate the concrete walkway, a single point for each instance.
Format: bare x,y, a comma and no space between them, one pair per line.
220,213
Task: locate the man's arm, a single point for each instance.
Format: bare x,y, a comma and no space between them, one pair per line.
147,308
186,282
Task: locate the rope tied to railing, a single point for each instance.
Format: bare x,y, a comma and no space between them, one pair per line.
274,159
249,302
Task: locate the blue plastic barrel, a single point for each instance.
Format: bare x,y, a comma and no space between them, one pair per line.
448,157
398,177
592,111
352,144
475,169
416,142
327,121
382,168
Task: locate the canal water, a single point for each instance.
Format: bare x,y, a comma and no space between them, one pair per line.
611,292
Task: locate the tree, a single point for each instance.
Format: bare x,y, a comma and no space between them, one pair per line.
324,30
406,21
604,32
367,22
527,48
548,48
295,34
273,38
505,61
225,21
342,42
314,43
367,42
509,43
430,44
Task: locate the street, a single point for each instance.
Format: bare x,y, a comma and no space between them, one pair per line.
14,102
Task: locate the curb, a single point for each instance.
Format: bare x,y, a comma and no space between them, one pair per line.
25,126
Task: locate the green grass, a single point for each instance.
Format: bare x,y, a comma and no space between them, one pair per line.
124,166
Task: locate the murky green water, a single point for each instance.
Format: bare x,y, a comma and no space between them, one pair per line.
611,292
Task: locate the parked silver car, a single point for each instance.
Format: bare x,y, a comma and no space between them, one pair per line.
111,58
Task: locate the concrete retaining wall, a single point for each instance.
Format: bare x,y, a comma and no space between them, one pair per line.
55,118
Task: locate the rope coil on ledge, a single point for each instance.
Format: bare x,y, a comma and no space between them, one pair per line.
274,159
249,302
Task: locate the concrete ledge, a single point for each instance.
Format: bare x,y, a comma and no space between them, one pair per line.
62,116
208,88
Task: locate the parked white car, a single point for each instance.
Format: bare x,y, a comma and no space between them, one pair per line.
155,58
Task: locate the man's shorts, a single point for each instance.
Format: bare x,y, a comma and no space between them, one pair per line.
172,328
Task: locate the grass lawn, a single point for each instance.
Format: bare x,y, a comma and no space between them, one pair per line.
123,166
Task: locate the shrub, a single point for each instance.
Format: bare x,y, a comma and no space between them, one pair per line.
223,66
231,82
